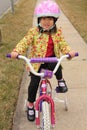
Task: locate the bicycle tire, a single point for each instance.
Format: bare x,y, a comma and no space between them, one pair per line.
45,116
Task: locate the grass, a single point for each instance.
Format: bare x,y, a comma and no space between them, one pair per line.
13,28
76,11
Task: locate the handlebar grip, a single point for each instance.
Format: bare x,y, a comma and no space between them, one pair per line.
39,60
76,54
8,55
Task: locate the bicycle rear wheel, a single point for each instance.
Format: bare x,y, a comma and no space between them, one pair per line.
45,116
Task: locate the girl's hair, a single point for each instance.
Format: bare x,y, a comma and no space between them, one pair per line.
53,30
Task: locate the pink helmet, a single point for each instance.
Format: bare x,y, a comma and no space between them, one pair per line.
47,8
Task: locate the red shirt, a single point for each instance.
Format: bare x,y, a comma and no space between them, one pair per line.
50,47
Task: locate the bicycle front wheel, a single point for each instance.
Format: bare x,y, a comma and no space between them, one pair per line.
45,116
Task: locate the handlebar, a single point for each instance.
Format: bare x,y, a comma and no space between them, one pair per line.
40,60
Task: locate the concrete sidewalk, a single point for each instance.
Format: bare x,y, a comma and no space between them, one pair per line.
75,73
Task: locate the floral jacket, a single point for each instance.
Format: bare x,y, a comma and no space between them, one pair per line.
38,44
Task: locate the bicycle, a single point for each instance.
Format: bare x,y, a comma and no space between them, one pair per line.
45,102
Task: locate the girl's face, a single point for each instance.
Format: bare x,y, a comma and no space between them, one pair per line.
46,22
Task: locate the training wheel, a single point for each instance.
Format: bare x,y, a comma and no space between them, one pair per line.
66,104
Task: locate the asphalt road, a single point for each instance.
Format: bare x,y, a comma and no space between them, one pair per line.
5,5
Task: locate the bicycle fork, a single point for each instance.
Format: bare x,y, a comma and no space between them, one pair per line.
47,98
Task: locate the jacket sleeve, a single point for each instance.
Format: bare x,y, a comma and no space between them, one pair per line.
63,45
23,45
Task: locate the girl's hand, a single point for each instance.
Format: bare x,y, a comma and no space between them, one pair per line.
14,54
72,54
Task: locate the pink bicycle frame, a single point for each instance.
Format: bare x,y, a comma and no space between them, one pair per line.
44,75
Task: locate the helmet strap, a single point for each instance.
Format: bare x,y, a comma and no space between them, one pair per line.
44,30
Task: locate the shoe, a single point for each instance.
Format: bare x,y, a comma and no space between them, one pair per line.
30,114
62,87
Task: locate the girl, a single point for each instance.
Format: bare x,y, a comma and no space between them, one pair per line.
45,40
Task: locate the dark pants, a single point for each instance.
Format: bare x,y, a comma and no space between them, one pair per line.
34,83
